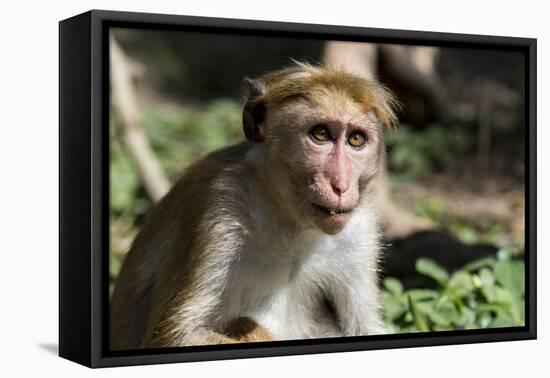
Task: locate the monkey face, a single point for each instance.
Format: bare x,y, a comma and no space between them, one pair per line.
329,149
321,129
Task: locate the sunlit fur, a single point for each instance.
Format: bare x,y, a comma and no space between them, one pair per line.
235,252
313,82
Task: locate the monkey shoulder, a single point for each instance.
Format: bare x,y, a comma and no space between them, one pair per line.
214,189
212,179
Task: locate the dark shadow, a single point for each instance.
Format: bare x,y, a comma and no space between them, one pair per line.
400,255
52,348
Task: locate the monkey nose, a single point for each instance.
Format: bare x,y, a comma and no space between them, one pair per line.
339,188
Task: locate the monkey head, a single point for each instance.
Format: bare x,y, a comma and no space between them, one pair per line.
320,133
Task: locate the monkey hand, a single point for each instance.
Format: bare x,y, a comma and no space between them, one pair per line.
246,330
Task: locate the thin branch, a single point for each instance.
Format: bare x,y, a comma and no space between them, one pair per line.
124,100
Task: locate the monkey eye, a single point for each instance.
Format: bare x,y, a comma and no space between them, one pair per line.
320,133
357,139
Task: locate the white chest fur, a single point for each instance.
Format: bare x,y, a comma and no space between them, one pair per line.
283,282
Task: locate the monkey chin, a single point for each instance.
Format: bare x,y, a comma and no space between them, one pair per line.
331,224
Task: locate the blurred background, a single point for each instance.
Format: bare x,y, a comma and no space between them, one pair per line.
452,198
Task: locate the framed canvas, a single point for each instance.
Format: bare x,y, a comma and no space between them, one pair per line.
380,191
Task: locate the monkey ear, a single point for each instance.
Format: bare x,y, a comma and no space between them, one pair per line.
254,110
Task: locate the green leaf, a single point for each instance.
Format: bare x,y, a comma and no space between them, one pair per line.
467,235
504,295
486,277
394,286
467,318
503,254
462,283
517,310
438,318
419,319
471,300
423,294
455,296
431,269
475,265
427,309
489,292
503,321
496,308
423,307
485,319
394,307
511,275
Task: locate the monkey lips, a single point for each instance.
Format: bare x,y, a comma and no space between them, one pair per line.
331,219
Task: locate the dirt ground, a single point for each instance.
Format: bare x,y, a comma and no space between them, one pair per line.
480,202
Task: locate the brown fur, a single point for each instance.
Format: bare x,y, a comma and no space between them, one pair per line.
144,305
312,82
246,330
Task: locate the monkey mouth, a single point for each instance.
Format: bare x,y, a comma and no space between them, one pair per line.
331,211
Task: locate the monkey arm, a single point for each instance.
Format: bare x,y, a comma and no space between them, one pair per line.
189,295
239,330
245,329
186,315
183,256
355,297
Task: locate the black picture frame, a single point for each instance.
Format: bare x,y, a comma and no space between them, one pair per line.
84,188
